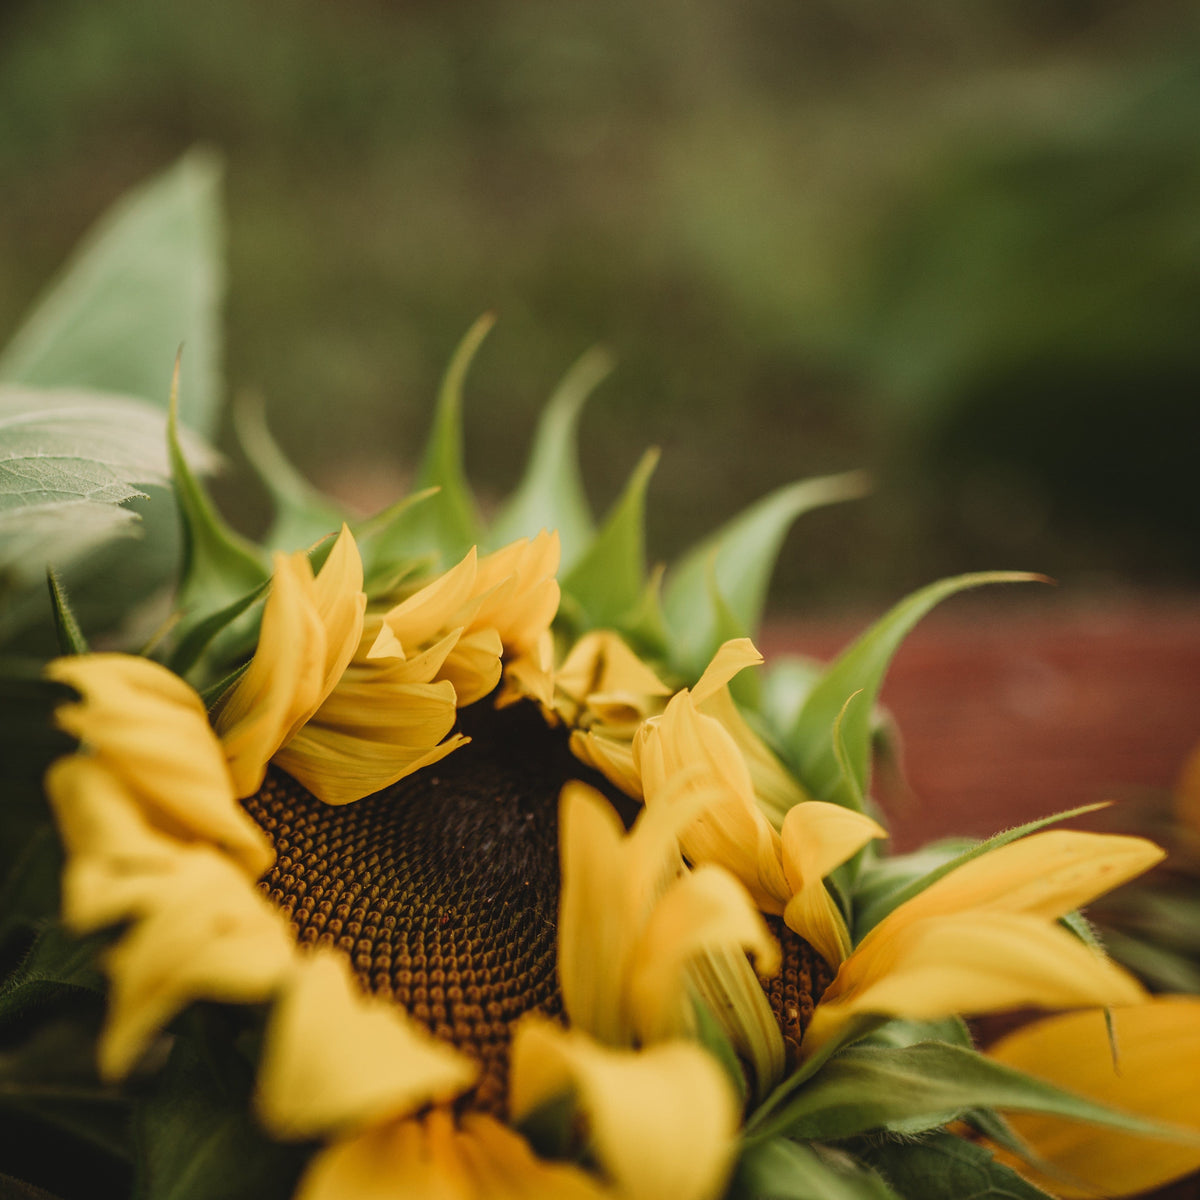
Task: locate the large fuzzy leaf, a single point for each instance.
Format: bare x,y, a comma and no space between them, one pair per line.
740,557
915,1088
147,279
70,462
550,494
810,740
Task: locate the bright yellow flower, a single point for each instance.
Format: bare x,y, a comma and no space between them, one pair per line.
1154,1076
149,731
985,937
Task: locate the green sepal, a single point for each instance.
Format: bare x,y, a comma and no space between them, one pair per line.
608,582
30,895
786,682
741,556
194,1134
861,667
146,278
942,1166
872,913
200,636
448,523
66,627
1159,966
787,1170
643,628
382,538
550,494
302,513
219,565
912,1089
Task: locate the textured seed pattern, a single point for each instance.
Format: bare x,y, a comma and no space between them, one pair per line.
797,987
442,889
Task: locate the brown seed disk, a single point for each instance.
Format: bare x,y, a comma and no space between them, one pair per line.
793,993
442,889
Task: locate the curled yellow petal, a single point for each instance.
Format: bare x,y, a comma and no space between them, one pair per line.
310,631
150,731
336,1059
1156,1075
661,1121
969,963
208,935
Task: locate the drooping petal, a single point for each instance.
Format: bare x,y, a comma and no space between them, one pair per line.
817,838
520,591
150,731
969,963
335,1059
1046,874
208,935
1156,1075
662,1121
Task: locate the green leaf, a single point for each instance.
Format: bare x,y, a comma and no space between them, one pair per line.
786,682
924,1086
609,581
742,555
68,461
944,1167
57,967
447,523
874,912
146,279
219,565
786,1170
70,636
550,494
861,668
195,1137
198,639
30,895
303,515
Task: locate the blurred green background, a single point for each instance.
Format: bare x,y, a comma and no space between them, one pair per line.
956,244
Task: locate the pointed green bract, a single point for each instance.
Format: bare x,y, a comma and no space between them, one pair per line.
809,741
448,523
219,566
70,636
302,513
883,904
608,582
148,278
915,1088
550,494
742,553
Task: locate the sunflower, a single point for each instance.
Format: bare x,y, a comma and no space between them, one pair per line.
475,874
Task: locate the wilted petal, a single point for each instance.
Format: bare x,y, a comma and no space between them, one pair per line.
209,935
662,1121
336,1059
1156,1075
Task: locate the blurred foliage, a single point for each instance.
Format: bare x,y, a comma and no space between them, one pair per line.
955,245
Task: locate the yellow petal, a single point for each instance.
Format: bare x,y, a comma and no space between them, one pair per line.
520,592
817,838
1157,1075
209,935
473,665
115,858
731,832
612,757
340,603
600,662
730,658
1046,874
335,1059
431,1160
282,685
150,730
970,963
704,910
444,604
662,1121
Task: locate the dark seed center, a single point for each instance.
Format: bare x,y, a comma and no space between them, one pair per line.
442,889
